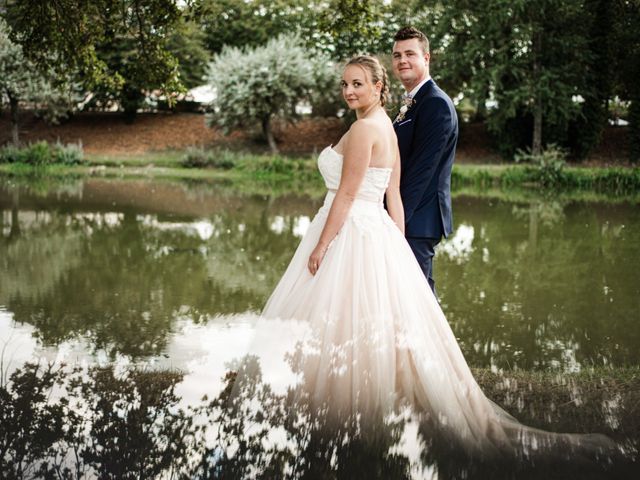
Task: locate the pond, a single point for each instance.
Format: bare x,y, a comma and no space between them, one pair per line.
106,275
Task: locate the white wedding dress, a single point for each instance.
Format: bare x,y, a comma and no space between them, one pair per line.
375,337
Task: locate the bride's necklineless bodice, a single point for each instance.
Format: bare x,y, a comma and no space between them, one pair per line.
376,179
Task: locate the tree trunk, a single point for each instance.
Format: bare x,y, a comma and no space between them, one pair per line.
634,129
15,127
536,144
536,147
130,100
268,133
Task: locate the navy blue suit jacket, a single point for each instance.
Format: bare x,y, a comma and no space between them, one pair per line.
427,138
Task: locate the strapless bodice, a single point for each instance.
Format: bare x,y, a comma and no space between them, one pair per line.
375,180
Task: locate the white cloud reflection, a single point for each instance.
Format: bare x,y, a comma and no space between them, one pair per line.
203,229
301,225
460,246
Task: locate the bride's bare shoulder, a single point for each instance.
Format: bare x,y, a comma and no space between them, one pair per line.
365,133
366,129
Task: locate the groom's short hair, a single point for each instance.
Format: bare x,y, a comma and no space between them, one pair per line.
406,33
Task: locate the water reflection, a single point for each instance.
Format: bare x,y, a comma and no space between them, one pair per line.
123,278
109,423
535,287
543,284
107,275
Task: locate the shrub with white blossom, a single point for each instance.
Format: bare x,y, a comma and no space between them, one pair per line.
256,85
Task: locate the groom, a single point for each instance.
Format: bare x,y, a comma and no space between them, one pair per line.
427,131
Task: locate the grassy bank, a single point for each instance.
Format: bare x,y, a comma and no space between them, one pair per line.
606,179
300,173
594,400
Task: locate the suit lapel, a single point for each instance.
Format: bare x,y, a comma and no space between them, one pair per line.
424,90
420,94
405,128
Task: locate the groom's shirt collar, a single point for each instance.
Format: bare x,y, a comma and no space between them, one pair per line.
413,92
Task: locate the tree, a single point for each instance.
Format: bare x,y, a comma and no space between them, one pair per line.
187,44
256,85
525,59
117,48
20,82
626,45
586,130
349,27
249,23
340,28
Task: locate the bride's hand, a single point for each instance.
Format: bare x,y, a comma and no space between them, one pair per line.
316,257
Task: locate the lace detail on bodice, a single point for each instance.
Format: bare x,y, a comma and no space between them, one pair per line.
375,180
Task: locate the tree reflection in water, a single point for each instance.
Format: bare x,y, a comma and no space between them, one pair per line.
59,422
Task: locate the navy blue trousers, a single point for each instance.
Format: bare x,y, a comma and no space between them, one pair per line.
424,250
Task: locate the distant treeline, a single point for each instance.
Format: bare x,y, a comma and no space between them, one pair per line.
554,70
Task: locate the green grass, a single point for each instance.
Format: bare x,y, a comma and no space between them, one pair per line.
248,170
166,158
611,180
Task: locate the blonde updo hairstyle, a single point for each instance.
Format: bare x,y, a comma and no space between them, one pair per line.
376,70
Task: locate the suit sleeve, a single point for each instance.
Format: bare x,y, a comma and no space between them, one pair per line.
432,130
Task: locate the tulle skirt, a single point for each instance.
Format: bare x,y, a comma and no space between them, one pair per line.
371,339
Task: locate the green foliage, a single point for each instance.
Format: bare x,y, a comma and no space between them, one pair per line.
548,170
626,65
22,83
68,154
42,153
119,49
257,166
515,60
549,164
255,85
617,180
230,23
634,130
350,27
299,168
339,28
187,44
201,158
585,131
36,154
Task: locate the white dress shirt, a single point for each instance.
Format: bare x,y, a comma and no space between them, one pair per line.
413,92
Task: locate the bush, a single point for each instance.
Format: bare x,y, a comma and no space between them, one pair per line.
257,165
278,165
548,166
256,86
69,154
201,158
10,154
38,154
42,153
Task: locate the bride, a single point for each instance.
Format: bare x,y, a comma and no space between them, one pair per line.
375,338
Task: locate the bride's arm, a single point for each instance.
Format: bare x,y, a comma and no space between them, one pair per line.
356,158
394,201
